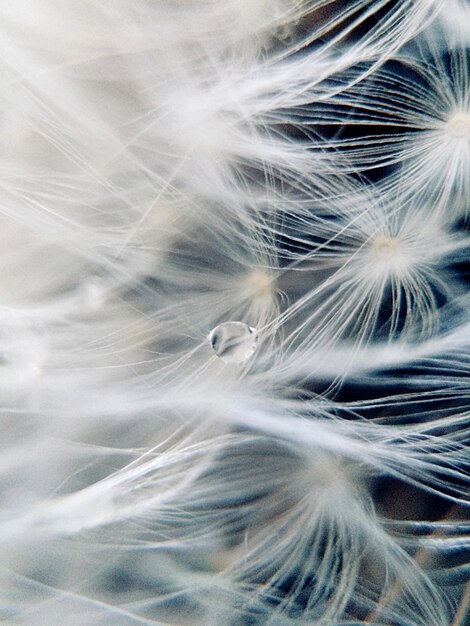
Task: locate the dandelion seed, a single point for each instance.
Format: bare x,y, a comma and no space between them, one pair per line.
409,121
233,342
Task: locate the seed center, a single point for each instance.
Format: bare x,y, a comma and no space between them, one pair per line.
385,246
458,126
258,284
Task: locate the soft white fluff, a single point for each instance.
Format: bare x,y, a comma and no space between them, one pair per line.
171,165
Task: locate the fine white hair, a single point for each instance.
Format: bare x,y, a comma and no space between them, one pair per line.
234,312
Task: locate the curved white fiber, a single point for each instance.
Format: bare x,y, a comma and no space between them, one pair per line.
293,169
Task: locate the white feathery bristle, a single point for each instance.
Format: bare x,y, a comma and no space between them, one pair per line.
234,312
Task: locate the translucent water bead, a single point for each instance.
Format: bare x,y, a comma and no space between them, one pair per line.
233,342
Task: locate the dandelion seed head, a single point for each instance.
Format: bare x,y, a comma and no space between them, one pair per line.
233,342
207,304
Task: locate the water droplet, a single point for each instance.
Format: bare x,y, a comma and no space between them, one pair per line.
233,342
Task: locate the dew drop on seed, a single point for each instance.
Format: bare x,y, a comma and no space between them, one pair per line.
233,342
